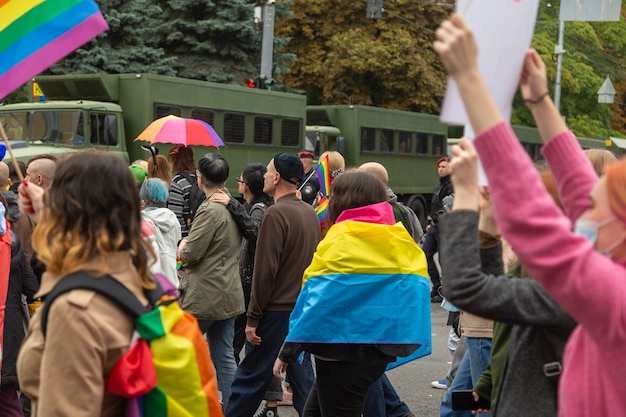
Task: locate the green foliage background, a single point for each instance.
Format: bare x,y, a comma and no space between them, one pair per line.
330,51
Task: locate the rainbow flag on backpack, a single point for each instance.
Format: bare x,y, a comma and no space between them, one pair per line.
175,378
167,371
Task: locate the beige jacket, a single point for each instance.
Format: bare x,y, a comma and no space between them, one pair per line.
87,333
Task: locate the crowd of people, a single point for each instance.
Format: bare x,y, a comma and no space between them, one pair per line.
531,271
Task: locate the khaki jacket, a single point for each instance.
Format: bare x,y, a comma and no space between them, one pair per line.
87,333
211,285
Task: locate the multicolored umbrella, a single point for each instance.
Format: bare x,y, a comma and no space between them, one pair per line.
179,130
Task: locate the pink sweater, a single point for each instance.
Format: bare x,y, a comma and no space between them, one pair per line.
588,285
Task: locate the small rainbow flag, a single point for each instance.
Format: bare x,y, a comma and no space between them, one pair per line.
35,34
323,211
323,175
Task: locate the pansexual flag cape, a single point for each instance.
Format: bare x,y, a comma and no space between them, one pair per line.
367,283
35,34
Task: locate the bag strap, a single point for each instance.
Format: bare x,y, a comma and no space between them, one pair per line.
105,285
189,178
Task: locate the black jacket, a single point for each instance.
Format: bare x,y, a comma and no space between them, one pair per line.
441,191
22,280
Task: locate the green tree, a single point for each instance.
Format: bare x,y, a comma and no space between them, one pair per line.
343,57
129,46
212,40
592,51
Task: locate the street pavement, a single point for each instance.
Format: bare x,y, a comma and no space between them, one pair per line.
412,381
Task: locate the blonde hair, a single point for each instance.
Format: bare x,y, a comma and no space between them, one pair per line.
336,162
599,159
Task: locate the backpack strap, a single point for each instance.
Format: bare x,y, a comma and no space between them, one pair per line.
105,285
189,178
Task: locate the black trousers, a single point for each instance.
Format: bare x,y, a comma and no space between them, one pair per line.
340,388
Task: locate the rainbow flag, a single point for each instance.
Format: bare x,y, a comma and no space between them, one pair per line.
322,210
367,283
168,371
323,175
35,34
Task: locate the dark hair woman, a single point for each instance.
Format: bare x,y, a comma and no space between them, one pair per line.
348,313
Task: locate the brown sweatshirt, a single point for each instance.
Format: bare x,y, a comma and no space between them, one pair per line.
287,240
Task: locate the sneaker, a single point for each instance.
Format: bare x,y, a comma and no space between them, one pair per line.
267,412
441,384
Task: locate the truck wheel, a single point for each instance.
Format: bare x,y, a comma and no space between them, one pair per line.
417,203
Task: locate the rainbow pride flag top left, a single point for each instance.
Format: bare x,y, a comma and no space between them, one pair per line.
35,34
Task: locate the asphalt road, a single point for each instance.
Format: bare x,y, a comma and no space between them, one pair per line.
412,381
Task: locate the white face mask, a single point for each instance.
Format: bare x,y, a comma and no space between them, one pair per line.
589,229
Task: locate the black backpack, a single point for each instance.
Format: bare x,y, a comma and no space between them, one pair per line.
196,197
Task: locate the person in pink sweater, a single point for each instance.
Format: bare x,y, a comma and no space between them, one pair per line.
579,258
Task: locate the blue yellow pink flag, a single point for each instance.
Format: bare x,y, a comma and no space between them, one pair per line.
323,175
367,283
35,34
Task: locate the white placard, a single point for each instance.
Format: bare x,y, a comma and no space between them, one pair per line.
503,30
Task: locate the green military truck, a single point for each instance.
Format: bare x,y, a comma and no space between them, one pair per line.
108,112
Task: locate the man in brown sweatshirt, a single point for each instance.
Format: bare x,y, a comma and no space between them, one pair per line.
287,240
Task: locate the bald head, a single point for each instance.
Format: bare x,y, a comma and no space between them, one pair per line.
41,172
4,176
377,170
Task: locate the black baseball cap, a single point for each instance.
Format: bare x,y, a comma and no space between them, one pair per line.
289,167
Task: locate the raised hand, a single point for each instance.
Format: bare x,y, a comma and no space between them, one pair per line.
456,46
533,82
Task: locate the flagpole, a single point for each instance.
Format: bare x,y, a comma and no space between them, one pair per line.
18,172
304,182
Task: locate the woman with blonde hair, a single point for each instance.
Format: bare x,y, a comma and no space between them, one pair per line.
88,223
599,159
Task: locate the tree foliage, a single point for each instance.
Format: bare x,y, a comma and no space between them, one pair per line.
212,40
593,50
343,57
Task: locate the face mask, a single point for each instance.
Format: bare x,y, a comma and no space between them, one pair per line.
589,229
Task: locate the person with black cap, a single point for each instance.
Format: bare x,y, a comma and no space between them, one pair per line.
311,185
287,240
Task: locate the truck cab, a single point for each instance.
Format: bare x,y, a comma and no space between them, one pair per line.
59,127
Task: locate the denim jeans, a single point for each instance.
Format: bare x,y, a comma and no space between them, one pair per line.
220,335
383,401
430,248
472,365
254,374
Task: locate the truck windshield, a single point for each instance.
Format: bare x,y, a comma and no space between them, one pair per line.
15,124
57,127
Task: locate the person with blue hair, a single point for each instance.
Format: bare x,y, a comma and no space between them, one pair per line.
164,229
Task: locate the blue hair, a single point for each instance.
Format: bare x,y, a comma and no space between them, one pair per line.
154,190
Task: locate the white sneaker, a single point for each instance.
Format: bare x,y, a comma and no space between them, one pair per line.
441,384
